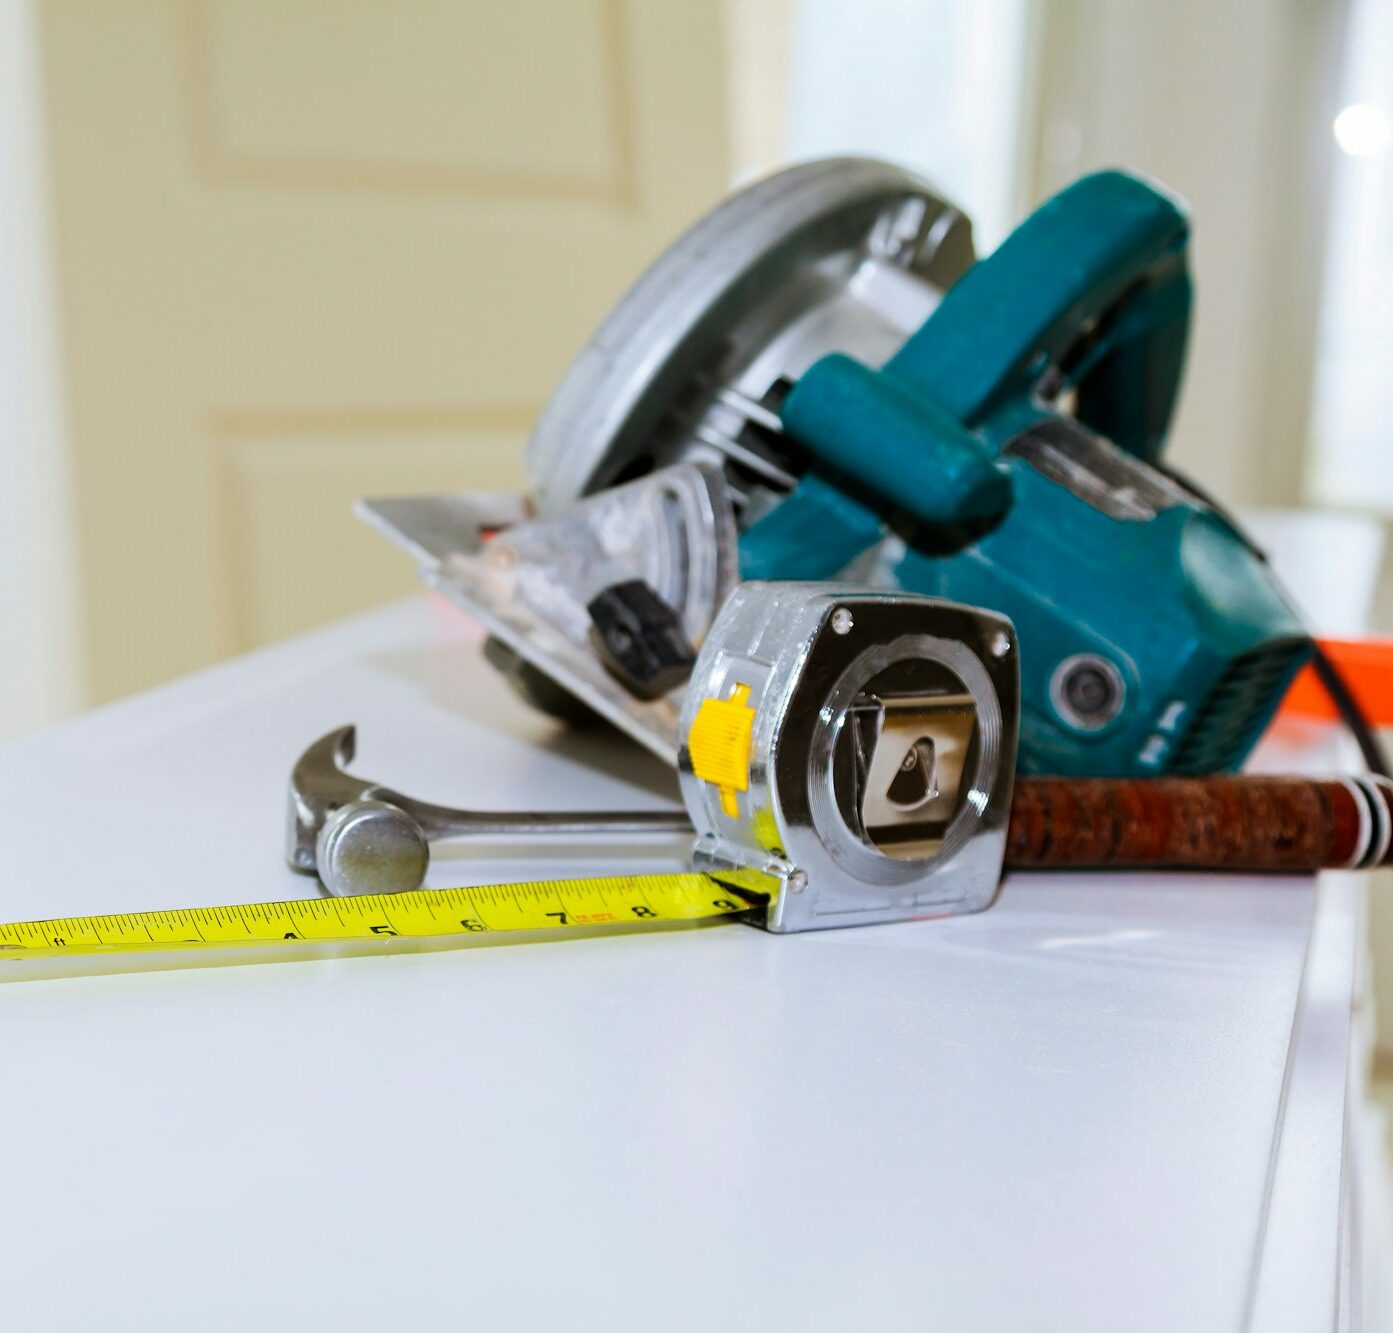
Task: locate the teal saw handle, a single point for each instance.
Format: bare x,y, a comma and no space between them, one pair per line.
1094,285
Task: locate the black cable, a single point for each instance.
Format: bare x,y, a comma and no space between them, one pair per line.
1351,713
1332,680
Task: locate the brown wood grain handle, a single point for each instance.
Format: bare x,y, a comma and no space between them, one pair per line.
1247,822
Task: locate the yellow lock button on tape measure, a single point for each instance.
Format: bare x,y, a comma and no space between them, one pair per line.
371,923
719,744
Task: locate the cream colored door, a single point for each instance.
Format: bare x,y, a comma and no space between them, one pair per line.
314,249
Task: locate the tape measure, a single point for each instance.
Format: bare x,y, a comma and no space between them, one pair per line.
370,923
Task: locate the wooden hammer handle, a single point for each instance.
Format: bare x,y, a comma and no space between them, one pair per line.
1213,823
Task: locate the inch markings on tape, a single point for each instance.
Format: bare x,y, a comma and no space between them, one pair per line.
385,920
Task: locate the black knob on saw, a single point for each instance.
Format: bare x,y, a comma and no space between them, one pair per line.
640,639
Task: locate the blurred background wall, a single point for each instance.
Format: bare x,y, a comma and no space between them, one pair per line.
259,257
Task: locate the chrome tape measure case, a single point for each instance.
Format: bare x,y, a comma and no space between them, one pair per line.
860,746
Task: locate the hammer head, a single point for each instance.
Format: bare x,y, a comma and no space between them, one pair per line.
353,834
318,787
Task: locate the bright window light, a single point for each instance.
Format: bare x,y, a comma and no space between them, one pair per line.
932,84
1363,129
1352,423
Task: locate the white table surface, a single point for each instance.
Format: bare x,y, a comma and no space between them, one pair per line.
1066,1112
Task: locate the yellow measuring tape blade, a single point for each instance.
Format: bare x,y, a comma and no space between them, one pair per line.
383,921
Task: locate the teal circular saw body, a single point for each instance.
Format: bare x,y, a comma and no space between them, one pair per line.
990,431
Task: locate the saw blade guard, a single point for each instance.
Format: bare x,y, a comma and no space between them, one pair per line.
692,364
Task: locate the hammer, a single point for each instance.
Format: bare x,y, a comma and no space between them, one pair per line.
361,837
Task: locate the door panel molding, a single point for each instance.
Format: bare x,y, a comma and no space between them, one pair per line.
251,341
236,138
